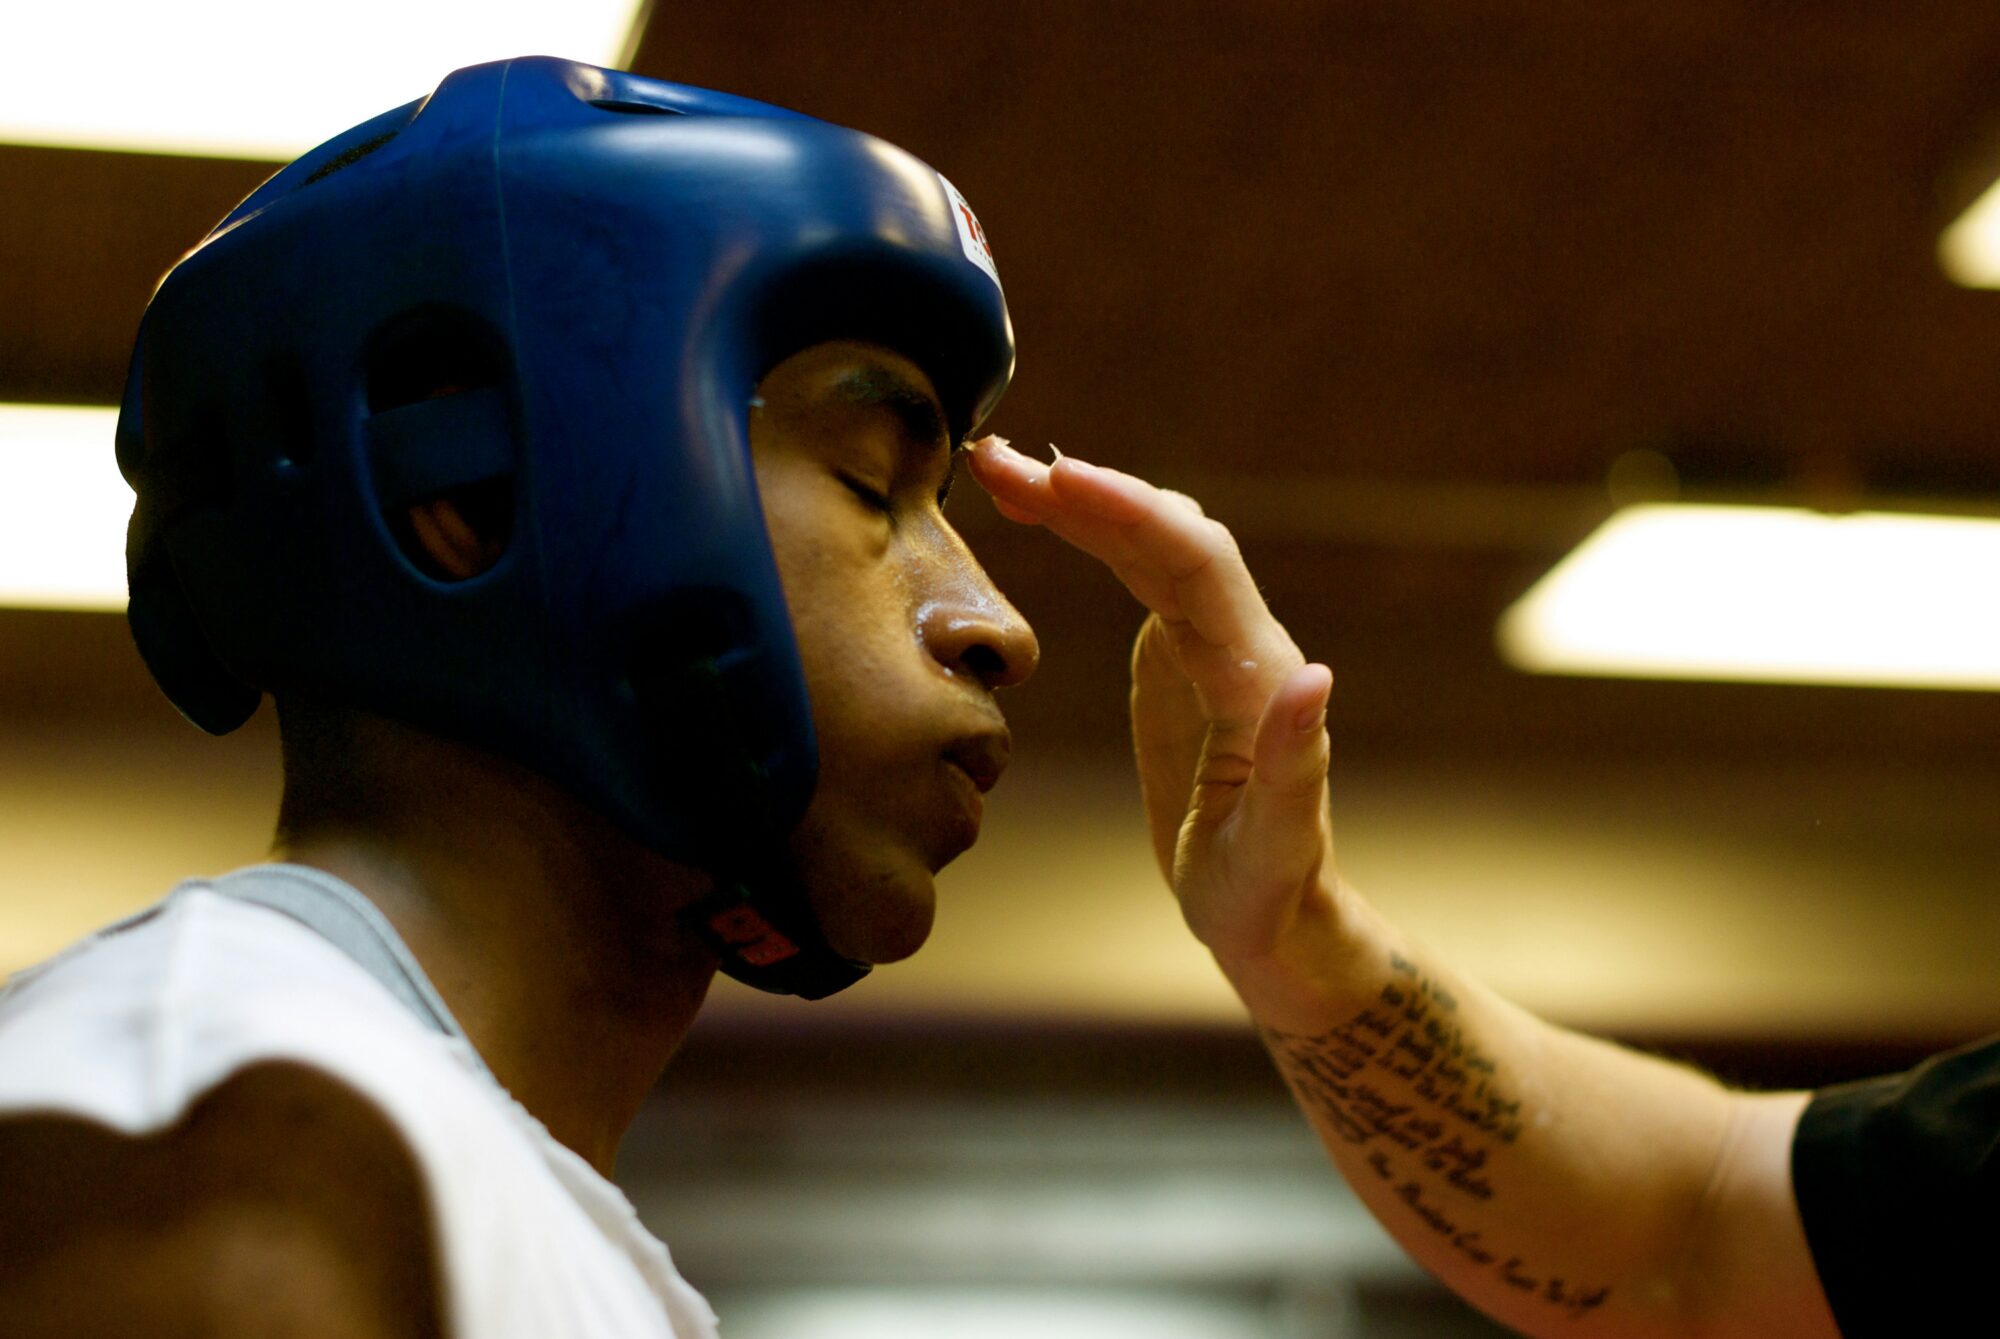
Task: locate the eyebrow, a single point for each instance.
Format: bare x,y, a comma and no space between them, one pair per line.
877,387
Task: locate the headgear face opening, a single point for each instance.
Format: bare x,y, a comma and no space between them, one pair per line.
553,288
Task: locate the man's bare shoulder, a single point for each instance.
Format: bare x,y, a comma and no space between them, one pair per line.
283,1204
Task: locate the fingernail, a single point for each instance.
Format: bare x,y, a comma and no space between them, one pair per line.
1313,716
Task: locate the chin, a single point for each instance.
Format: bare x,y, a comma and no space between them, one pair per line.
872,881
885,919
874,907
896,946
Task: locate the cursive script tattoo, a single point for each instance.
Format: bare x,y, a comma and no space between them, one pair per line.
1401,1079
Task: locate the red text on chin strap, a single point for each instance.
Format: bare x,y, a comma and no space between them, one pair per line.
750,936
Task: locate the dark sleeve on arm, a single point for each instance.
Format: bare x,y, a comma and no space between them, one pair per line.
1898,1183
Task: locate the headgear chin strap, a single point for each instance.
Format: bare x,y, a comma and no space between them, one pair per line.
757,918
553,289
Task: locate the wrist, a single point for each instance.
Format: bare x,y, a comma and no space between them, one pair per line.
1324,966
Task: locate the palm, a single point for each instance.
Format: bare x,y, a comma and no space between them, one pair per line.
1195,759
1235,786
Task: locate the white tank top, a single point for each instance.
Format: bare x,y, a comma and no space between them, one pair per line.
131,1026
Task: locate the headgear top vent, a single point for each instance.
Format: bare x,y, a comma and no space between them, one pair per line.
559,285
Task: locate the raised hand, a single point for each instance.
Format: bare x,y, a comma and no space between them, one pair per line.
1635,1193
1228,717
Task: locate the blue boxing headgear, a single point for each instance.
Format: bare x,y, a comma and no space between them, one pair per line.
555,287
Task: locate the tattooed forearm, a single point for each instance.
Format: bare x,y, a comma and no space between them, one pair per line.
1402,1078
1412,1034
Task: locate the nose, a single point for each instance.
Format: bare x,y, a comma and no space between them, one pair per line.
971,628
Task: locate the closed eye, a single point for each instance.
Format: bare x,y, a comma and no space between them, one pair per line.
875,499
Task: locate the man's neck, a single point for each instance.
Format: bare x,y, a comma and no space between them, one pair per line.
550,935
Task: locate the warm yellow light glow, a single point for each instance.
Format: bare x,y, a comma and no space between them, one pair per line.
252,79
1969,249
988,1313
1773,595
63,509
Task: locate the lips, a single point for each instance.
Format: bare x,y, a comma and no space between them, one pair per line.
982,757
974,763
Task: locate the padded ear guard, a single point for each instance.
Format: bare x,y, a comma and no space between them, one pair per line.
163,624
170,641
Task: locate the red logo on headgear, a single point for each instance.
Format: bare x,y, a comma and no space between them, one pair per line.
971,237
972,226
754,939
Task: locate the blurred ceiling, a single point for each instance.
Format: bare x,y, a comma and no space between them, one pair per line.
1390,288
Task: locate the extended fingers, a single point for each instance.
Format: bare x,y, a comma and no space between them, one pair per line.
1175,560
1183,565
1020,493
1018,485
1025,490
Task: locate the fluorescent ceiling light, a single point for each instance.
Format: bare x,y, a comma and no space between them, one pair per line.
997,1313
257,79
63,508
1969,249
1770,595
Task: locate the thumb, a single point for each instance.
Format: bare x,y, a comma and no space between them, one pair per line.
1168,731
1279,838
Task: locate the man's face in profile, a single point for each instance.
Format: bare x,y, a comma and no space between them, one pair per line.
903,636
